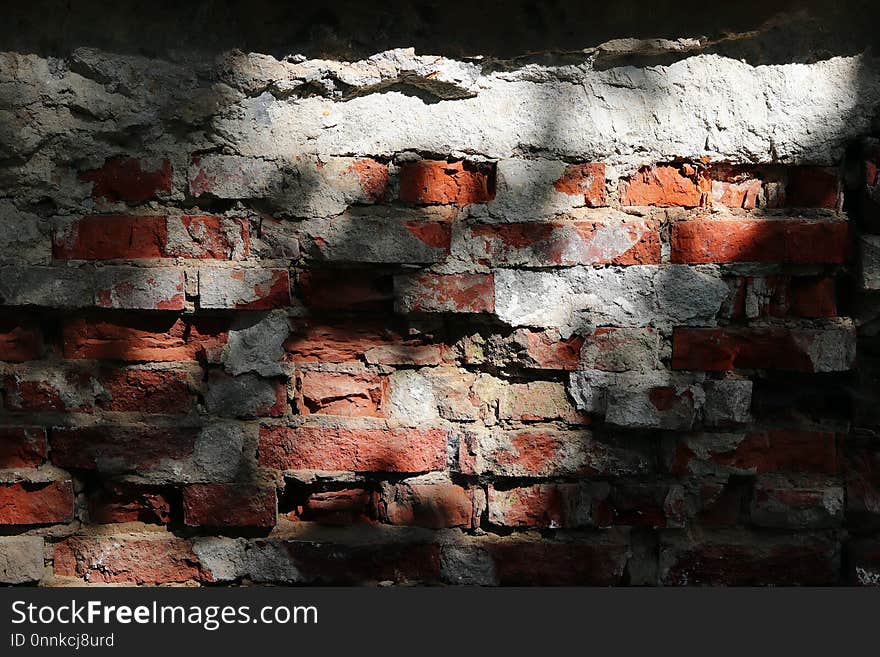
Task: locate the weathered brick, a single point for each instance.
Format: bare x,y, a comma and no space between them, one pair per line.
547,452
359,450
22,447
537,401
428,503
352,394
783,296
50,389
158,559
44,503
229,505
755,452
665,186
620,240
143,337
621,349
586,179
116,502
455,182
206,237
794,349
450,293
379,235
796,502
144,288
244,289
558,506
863,559
20,340
748,559
130,179
776,240
869,251
111,236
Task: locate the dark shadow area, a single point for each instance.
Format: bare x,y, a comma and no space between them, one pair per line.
754,30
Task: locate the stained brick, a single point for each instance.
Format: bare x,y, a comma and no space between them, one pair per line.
129,179
22,447
451,293
19,341
794,349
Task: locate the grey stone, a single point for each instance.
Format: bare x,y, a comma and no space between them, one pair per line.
21,559
461,564
727,400
53,287
256,343
245,395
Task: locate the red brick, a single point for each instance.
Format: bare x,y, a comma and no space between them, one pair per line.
146,391
560,506
22,447
439,181
373,177
20,341
337,507
345,341
102,237
143,338
110,559
813,187
600,562
760,240
114,502
775,450
352,394
432,505
229,505
612,242
36,504
451,293
665,186
132,449
798,350
346,289
129,179
584,179
359,450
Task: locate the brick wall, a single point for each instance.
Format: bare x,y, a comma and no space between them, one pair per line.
414,319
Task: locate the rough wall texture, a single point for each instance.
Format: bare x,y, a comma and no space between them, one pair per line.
568,319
